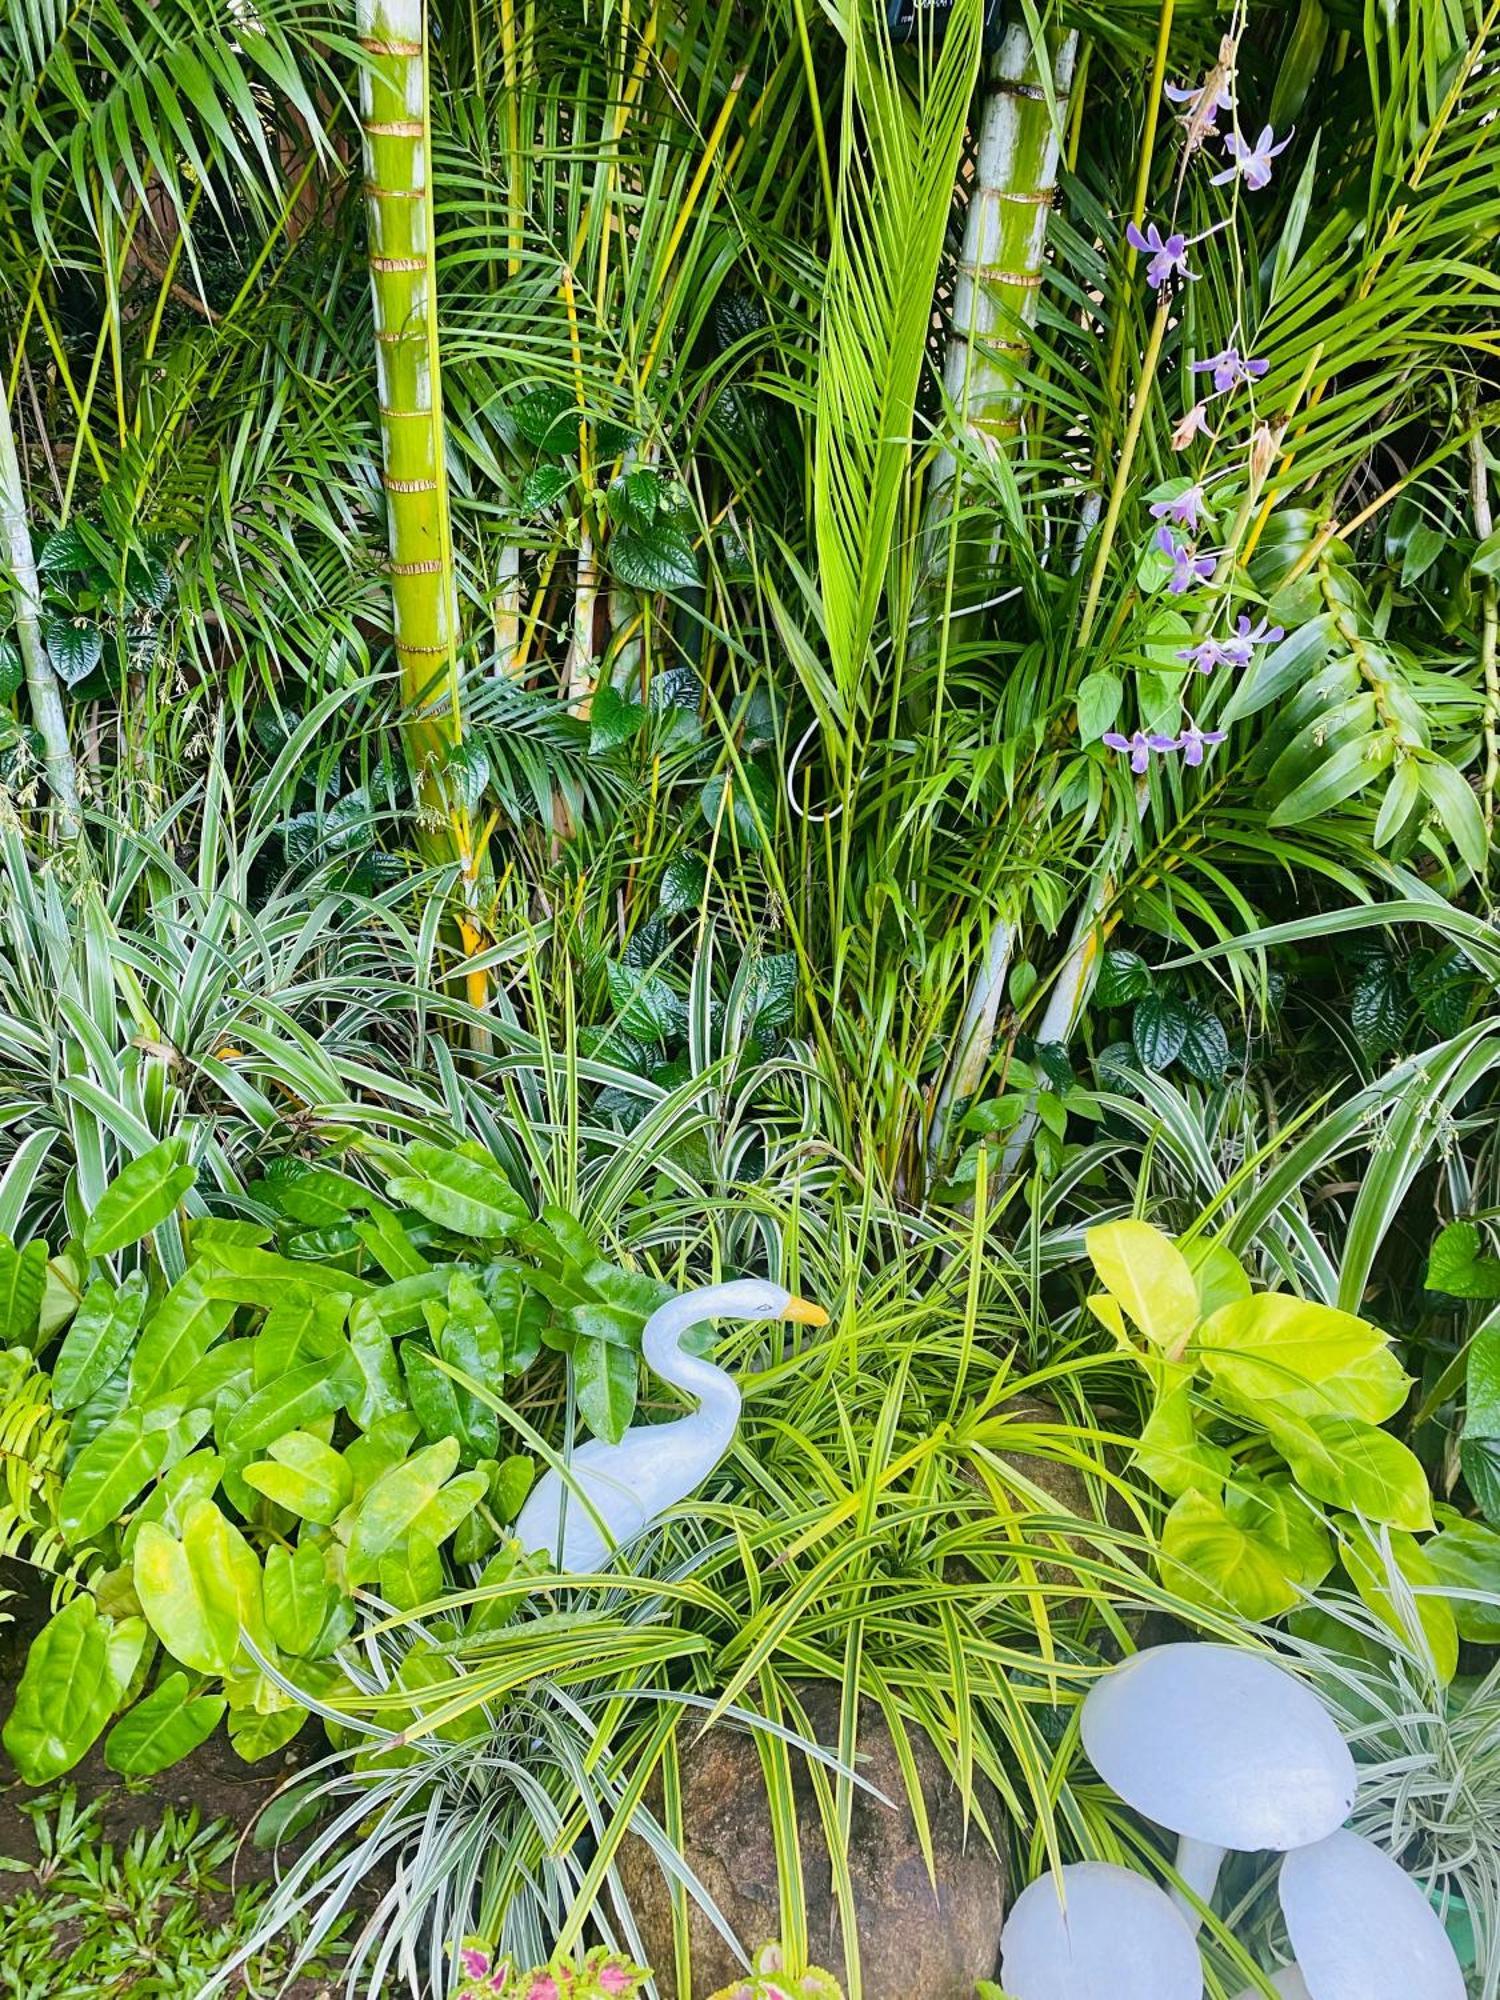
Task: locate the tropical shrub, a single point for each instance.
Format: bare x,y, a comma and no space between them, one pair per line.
256,1438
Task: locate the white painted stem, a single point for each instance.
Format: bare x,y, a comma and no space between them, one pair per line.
1198,1865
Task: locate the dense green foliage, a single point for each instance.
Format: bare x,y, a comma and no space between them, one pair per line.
910,702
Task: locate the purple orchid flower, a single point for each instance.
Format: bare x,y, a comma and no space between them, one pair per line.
1168,254
1186,509
1192,741
1251,163
1240,647
1140,746
1188,567
1229,368
1199,102
1205,656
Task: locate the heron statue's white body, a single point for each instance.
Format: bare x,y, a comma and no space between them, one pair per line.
629,1484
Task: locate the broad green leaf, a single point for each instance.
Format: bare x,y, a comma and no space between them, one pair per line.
604,1380
297,1594
1369,1557
1123,976
1282,668
1214,1560
62,1294
1219,1275
255,1736
1354,1465
193,1478
1345,771
177,1335
1158,1028
1275,1351
109,1472
199,1591
98,1340
23,1278
304,1475
1459,1265
412,1574
392,1504
295,1403
141,1196
163,1729
453,1503
1172,1454
67,1692
520,1313
468,1196
1149,1277
250,1276
383,1446
302,1328
1205,1046
1465,1557
658,557
380,1393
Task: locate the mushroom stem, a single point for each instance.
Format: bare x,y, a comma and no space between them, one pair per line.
1198,1864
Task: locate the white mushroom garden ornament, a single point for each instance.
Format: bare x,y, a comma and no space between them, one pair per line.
1362,1928
1097,1932
612,1492
1224,1749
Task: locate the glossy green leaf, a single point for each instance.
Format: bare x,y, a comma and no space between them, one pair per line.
1460,1265
199,1591
413,1573
163,1729
471,1197
177,1335
604,1381
98,1339
23,1277
296,1595
392,1504
1275,1351
67,1692
1216,1560
304,1475
141,1196
1354,1465
1149,1277
109,1472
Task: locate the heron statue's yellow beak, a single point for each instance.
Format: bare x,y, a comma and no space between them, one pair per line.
804,1312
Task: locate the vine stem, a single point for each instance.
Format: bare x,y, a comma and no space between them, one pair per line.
1122,473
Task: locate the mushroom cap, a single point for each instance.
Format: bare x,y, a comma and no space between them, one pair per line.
1220,1745
1361,1927
1119,1938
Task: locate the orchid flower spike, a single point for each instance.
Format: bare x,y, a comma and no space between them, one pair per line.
1168,254
1251,163
1240,647
1229,368
1187,509
1140,745
1193,740
1205,656
1203,101
1188,568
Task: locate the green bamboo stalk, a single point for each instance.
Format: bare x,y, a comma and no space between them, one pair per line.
398,195
1004,249
1000,273
42,684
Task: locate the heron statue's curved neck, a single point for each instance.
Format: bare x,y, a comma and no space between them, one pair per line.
661,1344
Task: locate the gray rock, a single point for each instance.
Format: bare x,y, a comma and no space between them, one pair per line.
913,1938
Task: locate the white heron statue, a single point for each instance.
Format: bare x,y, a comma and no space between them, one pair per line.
611,1492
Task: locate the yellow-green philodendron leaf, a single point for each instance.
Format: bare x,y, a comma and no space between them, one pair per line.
1276,1352
1149,1276
1356,1466
197,1593
1171,1453
66,1694
1212,1559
